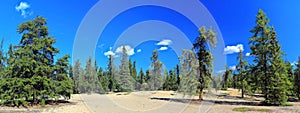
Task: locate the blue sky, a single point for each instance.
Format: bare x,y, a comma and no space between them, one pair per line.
234,18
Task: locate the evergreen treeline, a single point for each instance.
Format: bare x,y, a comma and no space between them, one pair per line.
29,74
124,78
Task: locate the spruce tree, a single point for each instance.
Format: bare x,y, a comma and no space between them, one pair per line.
31,74
63,83
269,64
125,81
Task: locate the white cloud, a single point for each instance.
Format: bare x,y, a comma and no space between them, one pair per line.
233,49
163,48
294,63
248,54
129,50
22,7
110,52
164,42
139,50
232,68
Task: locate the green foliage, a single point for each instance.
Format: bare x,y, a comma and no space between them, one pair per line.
124,80
155,81
290,78
247,109
189,71
170,82
31,75
269,66
242,77
297,79
64,84
204,56
111,74
88,81
226,78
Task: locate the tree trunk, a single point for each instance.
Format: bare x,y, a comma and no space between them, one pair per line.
242,89
201,94
243,93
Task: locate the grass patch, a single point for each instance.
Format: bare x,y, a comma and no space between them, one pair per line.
245,109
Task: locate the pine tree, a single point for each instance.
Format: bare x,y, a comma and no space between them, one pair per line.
125,81
142,76
167,84
156,79
269,63
103,79
147,77
77,73
142,80
134,74
111,74
91,83
204,56
130,67
173,80
189,69
242,76
226,78
177,73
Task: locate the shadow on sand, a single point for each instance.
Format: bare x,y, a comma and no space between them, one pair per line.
196,101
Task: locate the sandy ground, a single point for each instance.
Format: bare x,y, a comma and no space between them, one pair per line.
159,102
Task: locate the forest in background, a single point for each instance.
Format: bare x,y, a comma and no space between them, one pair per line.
29,74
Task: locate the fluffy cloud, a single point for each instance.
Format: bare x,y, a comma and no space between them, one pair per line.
164,42
119,50
232,68
233,49
248,54
163,48
110,52
139,50
22,7
129,50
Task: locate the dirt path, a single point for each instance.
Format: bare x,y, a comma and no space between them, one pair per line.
157,102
